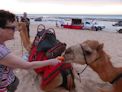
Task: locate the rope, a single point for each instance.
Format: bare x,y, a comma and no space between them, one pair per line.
22,49
82,72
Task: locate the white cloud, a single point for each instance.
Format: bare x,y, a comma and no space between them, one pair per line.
18,6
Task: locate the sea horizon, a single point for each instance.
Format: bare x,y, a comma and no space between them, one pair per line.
104,16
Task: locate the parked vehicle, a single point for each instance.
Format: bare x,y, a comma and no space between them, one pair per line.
119,23
38,19
119,31
93,26
87,25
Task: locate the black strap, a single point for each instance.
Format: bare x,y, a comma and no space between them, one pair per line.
58,69
86,61
84,54
116,79
54,72
65,73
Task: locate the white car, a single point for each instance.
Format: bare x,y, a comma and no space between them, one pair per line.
119,31
87,25
93,26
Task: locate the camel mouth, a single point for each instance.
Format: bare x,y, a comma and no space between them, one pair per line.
67,59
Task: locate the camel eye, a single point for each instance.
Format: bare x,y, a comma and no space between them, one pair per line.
87,52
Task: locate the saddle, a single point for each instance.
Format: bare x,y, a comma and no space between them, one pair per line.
46,46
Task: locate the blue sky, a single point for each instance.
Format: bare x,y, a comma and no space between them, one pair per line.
63,6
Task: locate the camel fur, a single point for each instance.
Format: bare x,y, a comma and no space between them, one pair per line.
21,26
57,81
54,85
92,53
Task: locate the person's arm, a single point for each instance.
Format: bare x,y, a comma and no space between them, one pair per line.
15,62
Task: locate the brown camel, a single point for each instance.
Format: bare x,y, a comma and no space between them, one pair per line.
55,84
21,26
91,52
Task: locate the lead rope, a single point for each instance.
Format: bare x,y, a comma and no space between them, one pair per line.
82,72
86,63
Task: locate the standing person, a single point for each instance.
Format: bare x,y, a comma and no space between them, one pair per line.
9,61
27,21
56,24
17,18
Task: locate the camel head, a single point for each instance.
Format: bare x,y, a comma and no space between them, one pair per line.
86,52
21,26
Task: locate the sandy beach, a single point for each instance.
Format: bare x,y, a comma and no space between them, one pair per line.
90,81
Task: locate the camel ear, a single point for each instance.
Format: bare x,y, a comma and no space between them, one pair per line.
100,46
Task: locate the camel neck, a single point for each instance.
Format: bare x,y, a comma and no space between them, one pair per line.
106,70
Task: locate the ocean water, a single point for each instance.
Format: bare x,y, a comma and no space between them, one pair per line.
119,17
52,19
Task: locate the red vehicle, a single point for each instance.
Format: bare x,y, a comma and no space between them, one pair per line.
75,24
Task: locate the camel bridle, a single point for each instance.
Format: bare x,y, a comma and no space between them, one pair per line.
86,62
84,55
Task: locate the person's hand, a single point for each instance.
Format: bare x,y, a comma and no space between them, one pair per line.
54,61
61,58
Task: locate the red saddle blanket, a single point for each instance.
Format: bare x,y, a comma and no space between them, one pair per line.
48,72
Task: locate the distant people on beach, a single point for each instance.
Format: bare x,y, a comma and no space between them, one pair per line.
62,24
8,61
25,19
57,24
17,18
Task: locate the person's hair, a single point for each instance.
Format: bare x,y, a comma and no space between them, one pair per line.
6,16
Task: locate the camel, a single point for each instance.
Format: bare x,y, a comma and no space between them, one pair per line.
55,84
91,52
21,26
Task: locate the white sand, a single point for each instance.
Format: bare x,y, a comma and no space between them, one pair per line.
89,79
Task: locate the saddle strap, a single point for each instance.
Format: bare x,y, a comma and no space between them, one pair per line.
68,79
